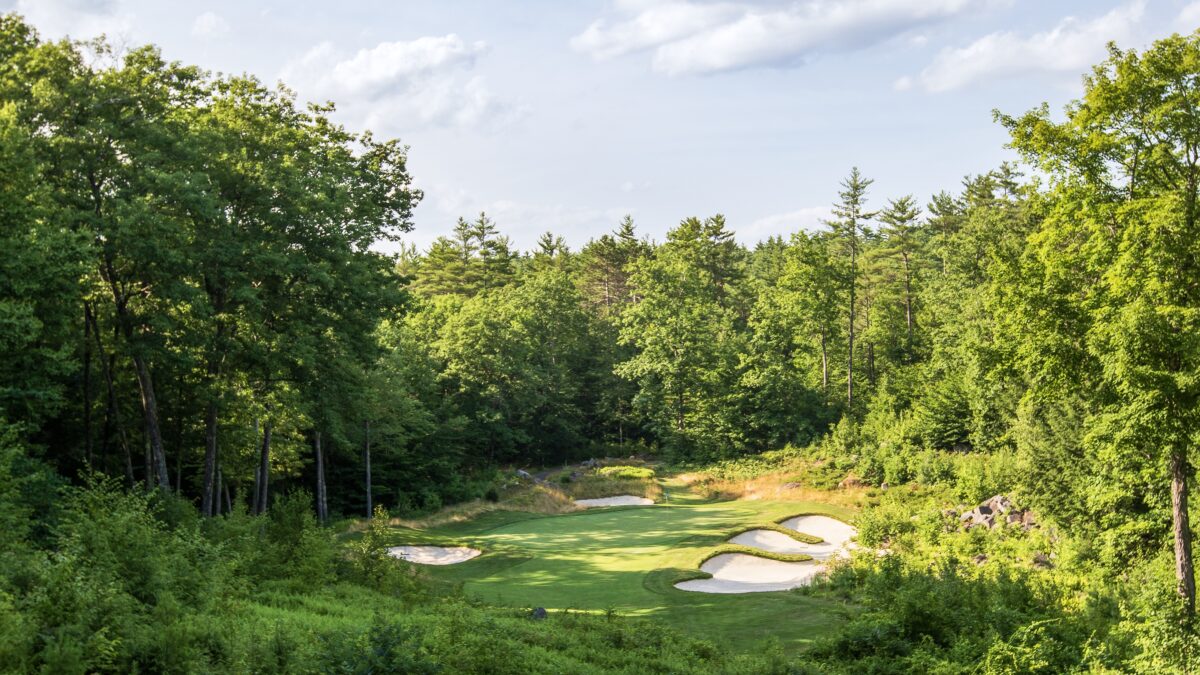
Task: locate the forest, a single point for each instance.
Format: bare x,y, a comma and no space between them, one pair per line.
220,358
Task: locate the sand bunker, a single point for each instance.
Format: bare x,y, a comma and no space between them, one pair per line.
433,555
769,540
622,500
837,535
744,573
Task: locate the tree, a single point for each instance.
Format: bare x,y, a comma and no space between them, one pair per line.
684,326
1119,252
848,227
900,230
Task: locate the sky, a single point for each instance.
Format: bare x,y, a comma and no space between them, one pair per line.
565,115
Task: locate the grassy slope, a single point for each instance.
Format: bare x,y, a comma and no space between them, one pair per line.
627,559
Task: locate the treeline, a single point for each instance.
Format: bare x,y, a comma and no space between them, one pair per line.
193,297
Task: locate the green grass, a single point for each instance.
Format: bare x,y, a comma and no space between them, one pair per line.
628,559
622,471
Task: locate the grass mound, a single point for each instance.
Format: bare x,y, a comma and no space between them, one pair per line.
624,472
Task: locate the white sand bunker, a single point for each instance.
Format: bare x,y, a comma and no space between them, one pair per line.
744,573
433,555
837,536
622,500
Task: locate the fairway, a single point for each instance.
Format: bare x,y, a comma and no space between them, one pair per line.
627,559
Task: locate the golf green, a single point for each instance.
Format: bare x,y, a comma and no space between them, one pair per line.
627,559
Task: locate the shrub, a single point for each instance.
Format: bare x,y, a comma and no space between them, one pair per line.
369,564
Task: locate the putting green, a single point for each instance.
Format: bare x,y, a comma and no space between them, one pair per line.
627,559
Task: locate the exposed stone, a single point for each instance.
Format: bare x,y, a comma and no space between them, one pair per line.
791,486
538,613
979,559
1042,561
884,486
998,509
851,481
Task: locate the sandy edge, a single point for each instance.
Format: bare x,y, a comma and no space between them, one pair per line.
620,500
434,555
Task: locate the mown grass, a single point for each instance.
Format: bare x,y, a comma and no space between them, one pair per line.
627,560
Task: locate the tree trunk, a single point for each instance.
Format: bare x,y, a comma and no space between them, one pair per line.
261,490
908,319
1185,573
148,473
153,431
322,506
87,385
210,459
850,341
217,494
112,413
871,363
824,365
179,450
145,380
367,462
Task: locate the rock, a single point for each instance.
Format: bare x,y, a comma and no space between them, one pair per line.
999,503
998,509
791,486
538,613
979,559
522,473
884,486
1042,561
851,481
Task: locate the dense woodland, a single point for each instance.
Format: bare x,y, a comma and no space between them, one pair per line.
198,308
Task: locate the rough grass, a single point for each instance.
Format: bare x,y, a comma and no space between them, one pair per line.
593,486
538,499
625,471
777,475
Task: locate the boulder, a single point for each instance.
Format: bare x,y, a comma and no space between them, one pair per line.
979,559
851,481
791,486
1042,561
522,473
998,509
538,613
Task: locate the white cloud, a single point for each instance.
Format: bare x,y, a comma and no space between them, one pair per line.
1189,18
808,219
691,37
1069,47
79,19
424,82
210,25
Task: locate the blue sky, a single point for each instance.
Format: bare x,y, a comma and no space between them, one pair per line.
565,115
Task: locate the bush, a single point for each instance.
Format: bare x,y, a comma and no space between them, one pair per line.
368,562
297,548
